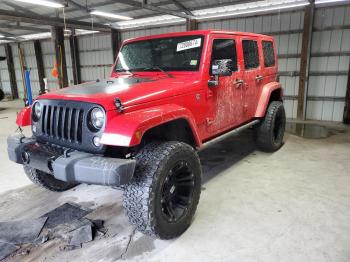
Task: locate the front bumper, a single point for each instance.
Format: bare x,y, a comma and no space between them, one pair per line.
70,166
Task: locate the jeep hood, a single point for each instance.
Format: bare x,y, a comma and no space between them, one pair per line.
130,90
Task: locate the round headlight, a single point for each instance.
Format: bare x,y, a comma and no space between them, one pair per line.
97,117
36,111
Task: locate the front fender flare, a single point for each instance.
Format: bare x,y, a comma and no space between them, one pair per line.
127,129
265,97
24,117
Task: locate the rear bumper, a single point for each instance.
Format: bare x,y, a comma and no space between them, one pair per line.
74,166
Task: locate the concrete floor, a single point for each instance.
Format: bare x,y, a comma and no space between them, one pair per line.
293,205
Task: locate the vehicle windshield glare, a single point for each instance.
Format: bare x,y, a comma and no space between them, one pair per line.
161,54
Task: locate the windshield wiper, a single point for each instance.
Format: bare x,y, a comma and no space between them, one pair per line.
158,68
124,70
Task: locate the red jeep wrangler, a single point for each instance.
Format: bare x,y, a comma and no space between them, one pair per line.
167,97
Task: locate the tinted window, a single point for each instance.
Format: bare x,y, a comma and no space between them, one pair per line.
251,54
170,54
225,49
269,55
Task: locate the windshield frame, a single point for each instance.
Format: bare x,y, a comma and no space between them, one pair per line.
196,69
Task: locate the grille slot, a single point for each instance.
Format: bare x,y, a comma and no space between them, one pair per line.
62,123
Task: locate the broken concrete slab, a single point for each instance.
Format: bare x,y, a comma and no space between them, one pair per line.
6,249
64,214
81,235
21,231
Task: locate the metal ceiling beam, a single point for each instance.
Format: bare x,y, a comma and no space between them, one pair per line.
120,11
182,7
6,34
19,8
86,10
25,28
51,21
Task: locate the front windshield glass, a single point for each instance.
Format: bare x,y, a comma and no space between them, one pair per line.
167,54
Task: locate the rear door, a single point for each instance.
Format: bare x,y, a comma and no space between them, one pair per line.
253,75
225,100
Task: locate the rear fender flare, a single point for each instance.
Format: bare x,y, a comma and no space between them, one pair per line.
265,98
127,129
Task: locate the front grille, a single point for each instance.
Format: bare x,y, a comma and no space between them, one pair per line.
65,123
62,123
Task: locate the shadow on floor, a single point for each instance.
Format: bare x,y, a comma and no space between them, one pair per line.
221,156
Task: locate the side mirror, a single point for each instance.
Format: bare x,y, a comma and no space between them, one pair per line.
221,67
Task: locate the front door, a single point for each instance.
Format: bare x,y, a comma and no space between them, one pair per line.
225,99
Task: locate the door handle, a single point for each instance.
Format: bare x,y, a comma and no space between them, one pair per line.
239,82
259,78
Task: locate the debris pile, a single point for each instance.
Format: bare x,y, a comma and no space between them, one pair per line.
66,222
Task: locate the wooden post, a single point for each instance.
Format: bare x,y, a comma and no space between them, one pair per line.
346,117
305,59
74,52
116,42
191,24
40,65
58,38
11,69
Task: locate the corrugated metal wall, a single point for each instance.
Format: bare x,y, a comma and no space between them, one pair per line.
329,64
48,52
96,57
328,67
152,31
4,73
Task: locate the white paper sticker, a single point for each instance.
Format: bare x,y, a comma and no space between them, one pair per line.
193,62
189,44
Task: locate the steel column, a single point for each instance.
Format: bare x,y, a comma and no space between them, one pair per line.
116,39
58,38
40,65
11,69
305,59
191,24
346,117
74,52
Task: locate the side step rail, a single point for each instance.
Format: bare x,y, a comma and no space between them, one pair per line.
228,134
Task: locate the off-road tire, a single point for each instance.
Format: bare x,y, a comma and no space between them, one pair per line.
143,196
269,133
45,180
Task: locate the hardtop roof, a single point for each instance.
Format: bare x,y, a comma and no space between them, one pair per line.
199,32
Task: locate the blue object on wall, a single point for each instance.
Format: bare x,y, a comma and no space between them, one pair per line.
29,87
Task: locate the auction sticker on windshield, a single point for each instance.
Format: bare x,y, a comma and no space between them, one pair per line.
189,44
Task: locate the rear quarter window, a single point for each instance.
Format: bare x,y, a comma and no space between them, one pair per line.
251,54
269,54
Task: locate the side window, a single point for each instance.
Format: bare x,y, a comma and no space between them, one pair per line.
269,55
251,54
225,49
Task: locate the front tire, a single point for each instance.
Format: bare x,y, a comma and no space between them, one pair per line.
269,133
163,196
45,180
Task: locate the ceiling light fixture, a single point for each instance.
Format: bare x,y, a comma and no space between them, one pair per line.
43,3
252,11
320,2
110,15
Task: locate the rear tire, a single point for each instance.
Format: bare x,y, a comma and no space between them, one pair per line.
46,180
163,196
269,133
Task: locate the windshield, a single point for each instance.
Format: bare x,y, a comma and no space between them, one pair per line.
161,54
